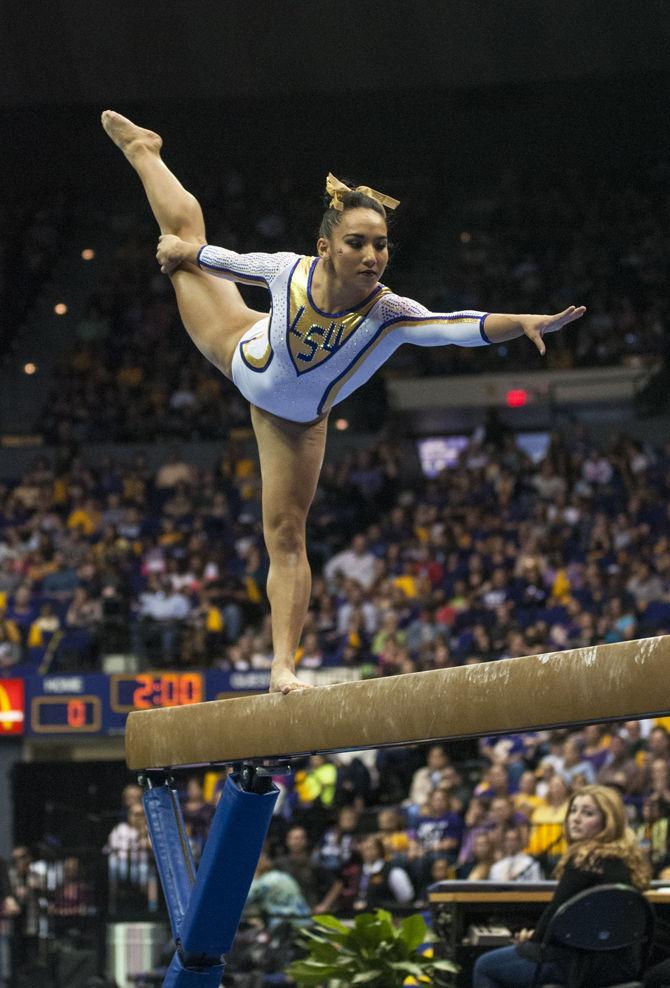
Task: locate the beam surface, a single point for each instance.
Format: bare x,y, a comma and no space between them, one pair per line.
623,681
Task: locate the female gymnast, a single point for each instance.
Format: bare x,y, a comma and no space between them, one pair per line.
332,325
601,850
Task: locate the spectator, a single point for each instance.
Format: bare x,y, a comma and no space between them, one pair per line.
160,611
132,876
438,831
130,835
526,799
274,896
317,884
546,823
315,787
26,887
173,472
392,833
381,882
198,815
73,896
430,776
501,816
356,563
10,652
9,910
515,865
574,764
339,842
478,867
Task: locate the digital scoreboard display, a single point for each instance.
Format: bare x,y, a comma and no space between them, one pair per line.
97,704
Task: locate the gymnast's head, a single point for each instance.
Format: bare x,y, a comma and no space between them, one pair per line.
353,236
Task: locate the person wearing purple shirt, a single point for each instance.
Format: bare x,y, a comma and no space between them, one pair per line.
437,833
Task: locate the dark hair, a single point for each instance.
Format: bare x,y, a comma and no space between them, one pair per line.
349,200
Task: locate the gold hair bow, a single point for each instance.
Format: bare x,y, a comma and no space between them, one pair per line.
336,189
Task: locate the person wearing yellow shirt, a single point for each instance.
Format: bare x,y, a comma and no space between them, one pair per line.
316,783
86,517
47,623
546,823
391,832
526,800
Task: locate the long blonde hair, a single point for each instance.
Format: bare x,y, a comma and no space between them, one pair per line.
614,840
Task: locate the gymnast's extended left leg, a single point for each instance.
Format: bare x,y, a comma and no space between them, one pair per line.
212,311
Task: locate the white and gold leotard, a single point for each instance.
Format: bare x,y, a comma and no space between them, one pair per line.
297,362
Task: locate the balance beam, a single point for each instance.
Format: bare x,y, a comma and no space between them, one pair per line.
623,681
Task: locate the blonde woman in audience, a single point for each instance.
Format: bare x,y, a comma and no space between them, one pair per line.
600,849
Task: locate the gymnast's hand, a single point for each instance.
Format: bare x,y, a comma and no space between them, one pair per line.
172,251
535,327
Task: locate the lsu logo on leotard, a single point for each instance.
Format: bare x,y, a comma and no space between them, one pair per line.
314,336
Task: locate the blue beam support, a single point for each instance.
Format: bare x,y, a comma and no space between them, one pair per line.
172,850
205,909
179,976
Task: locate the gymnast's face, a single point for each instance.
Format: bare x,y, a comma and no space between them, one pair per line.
358,248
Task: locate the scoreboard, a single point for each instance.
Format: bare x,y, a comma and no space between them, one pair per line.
98,704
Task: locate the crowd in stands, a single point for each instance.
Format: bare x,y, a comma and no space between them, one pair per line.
496,557
365,829
376,828
132,374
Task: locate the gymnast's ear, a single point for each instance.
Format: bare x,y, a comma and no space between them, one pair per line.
322,247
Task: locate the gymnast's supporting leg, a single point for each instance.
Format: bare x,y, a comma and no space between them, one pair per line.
291,455
211,309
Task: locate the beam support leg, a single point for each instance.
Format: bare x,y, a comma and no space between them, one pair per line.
205,910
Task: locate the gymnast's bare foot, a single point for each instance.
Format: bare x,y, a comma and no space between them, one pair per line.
284,680
128,136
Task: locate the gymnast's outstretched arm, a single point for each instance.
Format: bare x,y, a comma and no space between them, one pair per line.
415,324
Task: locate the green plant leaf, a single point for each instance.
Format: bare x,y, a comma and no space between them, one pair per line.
413,931
306,972
313,937
410,967
385,920
445,966
332,923
368,933
372,951
325,953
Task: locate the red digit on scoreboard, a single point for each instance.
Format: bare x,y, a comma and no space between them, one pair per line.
76,713
190,687
169,682
141,695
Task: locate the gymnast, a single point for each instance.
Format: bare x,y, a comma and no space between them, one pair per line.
332,325
601,849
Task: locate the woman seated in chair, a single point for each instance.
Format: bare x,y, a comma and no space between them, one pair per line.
601,849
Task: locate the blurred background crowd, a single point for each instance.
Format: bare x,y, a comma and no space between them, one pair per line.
496,556
128,372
